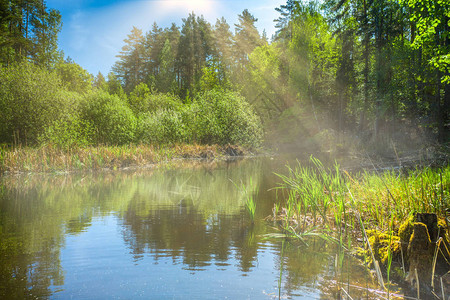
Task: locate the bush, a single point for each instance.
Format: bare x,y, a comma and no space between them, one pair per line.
224,117
162,127
31,100
215,117
68,133
111,119
36,108
142,100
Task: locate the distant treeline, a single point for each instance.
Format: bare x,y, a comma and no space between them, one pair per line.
377,69
45,99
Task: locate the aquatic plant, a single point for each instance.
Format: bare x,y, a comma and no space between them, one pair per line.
337,204
249,194
250,205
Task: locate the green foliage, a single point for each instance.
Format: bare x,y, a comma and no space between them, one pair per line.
74,77
161,127
29,30
37,109
267,85
68,133
214,77
165,79
214,117
129,69
224,117
142,100
112,120
31,100
99,82
195,47
160,117
113,86
137,99
430,18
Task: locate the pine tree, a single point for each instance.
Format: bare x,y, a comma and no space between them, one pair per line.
130,67
246,38
223,46
165,79
29,30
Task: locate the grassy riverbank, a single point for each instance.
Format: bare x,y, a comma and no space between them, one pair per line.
333,196
372,215
55,159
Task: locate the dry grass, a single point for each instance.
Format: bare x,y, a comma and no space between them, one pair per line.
53,159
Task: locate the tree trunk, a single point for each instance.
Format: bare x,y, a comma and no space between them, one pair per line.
439,111
366,53
446,112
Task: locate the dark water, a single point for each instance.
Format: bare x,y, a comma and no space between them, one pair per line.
172,233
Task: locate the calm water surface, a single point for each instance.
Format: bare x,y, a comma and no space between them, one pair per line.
180,233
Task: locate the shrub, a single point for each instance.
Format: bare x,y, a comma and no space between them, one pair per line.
31,99
162,127
224,117
112,120
69,132
142,100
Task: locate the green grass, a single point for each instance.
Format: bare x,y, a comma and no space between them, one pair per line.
331,203
250,204
323,195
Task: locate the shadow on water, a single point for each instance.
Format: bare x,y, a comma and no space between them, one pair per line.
158,233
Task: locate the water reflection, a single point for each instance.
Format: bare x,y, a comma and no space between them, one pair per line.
196,213
143,234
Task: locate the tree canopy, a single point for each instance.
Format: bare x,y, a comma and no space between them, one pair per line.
378,70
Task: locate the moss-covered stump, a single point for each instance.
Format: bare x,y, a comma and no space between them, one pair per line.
420,255
443,227
419,235
383,246
405,231
431,221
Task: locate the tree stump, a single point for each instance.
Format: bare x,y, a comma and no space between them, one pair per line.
420,253
431,221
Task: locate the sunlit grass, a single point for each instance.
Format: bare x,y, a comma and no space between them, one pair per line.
249,193
49,158
337,205
319,195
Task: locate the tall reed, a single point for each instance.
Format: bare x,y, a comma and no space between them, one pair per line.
249,193
338,203
321,193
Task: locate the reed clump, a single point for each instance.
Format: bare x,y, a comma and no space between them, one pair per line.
249,193
341,206
330,196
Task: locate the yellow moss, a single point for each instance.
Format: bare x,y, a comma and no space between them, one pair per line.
380,243
442,225
419,234
405,231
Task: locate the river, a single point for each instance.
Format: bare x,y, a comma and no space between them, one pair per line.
173,232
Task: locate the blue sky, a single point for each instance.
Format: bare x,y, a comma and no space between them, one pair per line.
93,30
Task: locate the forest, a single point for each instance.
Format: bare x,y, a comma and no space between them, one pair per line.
372,72
339,79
